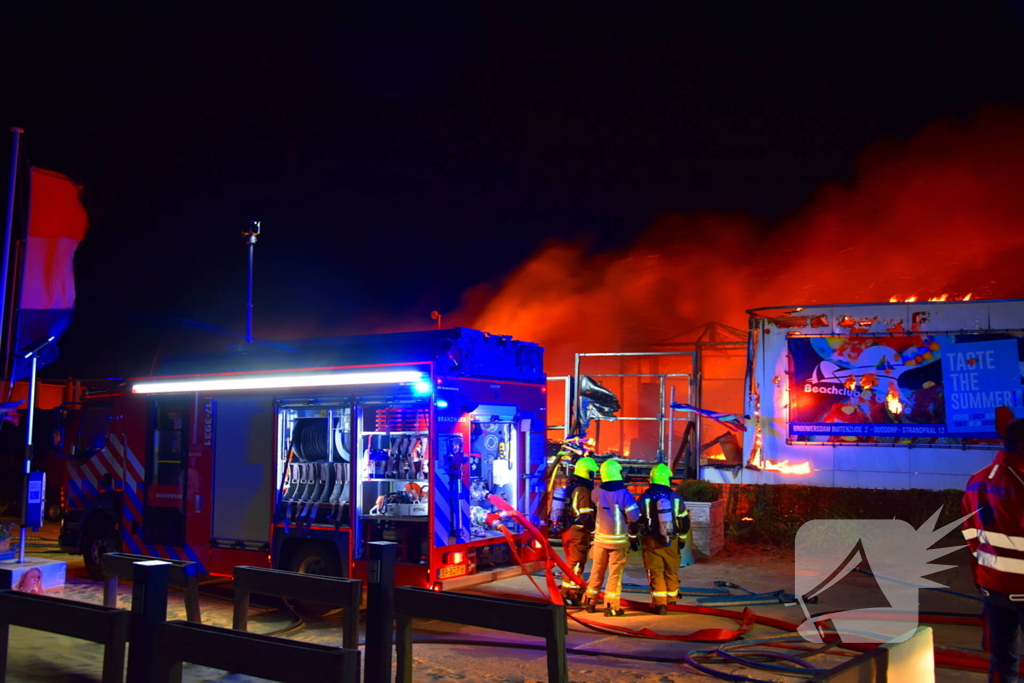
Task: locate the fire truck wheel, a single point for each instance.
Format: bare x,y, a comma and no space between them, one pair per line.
312,558
54,513
98,540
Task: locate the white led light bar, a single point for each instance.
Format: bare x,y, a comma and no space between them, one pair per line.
273,381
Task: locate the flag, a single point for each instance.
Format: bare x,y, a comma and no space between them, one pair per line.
9,412
730,421
56,224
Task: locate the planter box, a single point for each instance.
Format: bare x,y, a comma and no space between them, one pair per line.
46,575
708,523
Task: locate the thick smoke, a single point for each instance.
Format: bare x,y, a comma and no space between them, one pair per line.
942,213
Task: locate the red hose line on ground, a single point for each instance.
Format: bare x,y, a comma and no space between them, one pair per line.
949,659
745,619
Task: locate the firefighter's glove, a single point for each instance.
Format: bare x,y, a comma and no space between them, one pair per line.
634,545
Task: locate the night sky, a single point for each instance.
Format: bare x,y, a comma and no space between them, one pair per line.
400,155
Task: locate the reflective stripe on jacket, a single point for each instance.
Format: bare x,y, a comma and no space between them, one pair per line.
581,507
616,512
995,534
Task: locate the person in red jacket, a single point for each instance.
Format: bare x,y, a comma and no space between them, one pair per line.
994,499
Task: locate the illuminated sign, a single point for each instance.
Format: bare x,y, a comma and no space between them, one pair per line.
910,388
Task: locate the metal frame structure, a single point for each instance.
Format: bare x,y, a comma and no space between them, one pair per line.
664,444
567,410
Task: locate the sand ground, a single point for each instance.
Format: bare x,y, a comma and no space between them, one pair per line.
38,656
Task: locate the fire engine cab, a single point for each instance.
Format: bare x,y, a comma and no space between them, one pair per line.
297,458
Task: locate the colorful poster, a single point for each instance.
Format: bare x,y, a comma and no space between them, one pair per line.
902,388
978,378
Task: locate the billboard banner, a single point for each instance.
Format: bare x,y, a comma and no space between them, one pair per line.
903,388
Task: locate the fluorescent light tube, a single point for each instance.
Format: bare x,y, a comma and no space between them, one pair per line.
274,381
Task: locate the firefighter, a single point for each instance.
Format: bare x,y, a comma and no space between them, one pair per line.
614,535
664,522
576,518
994,497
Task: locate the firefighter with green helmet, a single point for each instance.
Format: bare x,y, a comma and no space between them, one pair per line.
572,513
615,533
664,522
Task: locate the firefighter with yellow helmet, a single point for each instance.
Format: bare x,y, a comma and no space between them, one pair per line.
664,521
617,516
572,513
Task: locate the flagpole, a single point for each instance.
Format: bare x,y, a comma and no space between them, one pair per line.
10,222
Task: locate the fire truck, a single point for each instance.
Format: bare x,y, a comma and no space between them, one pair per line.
298,458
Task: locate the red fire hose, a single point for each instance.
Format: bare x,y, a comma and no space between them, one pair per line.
950,659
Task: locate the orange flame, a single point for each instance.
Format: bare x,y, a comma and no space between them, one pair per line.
785,468
892,400
894,299
755,452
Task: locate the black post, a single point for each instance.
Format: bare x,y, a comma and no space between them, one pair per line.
149,609
380,611
250,238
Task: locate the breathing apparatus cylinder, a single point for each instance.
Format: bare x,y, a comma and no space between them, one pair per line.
666,519
558,499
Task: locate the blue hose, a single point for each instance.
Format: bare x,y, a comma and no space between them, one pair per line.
927,588
690,659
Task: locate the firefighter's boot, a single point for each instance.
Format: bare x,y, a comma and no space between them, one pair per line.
307,477
339,483
293,481
318,482
300,481
330,474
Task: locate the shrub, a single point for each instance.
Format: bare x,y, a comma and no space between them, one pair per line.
697,491
775,512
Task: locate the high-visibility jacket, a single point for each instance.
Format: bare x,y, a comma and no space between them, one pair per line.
617,514
580,508
995,534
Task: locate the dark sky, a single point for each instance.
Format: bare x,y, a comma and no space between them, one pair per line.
400,153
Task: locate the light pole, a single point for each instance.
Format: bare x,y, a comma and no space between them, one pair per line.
27,487
250,239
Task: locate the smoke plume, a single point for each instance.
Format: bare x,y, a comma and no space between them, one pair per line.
942,213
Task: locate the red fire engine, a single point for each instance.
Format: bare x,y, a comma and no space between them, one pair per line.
297,458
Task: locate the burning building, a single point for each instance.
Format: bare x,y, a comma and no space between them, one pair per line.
895,395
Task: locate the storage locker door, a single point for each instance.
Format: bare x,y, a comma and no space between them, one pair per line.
243,469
